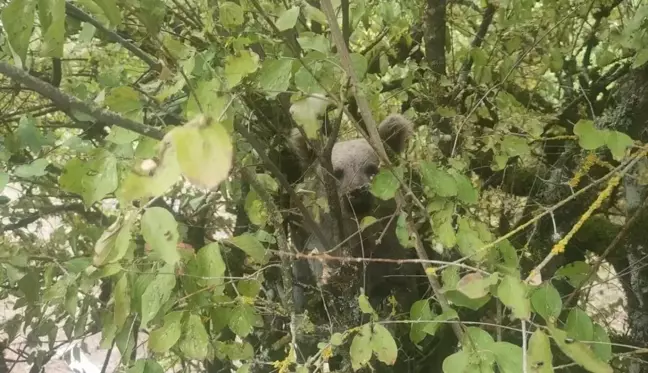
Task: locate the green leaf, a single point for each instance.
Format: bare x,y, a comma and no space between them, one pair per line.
157,293
306,112
383,345
288,19
34,169
54,29
231,14
100,177
466,192
420,311
546,302
195,341
468,242
640,58
251,246
113,243
603,347
312,41
210,265
122,296
438,180
475,285
459,362
359,64
274,76
360,350
589,137
314,14
18,23
121,136
111,11
239,66
515,146
579,352
160,231
478,342
163,338
385,183
539,357
618,143
124,100
255,208
402,232
243,319
202,144
365,306
4,180
513,293
579,325
508,357
146,366
575,273
29,135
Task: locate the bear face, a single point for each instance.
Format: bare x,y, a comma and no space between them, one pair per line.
355,163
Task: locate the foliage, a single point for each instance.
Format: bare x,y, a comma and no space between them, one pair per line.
183,235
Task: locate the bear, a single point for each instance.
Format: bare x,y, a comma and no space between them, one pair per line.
354,164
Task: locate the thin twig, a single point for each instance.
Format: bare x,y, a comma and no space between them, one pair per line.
82,16
69,104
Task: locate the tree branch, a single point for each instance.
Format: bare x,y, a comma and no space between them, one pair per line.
435,35
79,14
69,104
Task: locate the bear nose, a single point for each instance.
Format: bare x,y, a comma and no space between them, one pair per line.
360,199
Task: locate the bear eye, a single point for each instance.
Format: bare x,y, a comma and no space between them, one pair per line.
371,170
338,173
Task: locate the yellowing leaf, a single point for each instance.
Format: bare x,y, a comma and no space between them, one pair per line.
160,231
204,151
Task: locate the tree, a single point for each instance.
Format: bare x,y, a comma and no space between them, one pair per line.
155,132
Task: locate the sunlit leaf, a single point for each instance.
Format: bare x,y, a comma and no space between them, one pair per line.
239,66
251,246
579,326
194,342
18,23
54,30
157,293
274,76
160,231
287,19
546,302
386,183
383,345
306,112
360,350
113,243
539,356
579,352
202,144
34,169
589,137
110,10
122,296
513,293
602,346
231,14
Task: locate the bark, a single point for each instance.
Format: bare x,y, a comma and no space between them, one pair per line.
435,35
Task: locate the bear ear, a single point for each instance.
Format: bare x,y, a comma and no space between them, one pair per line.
395,131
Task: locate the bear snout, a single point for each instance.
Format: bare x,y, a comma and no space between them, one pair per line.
360,200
